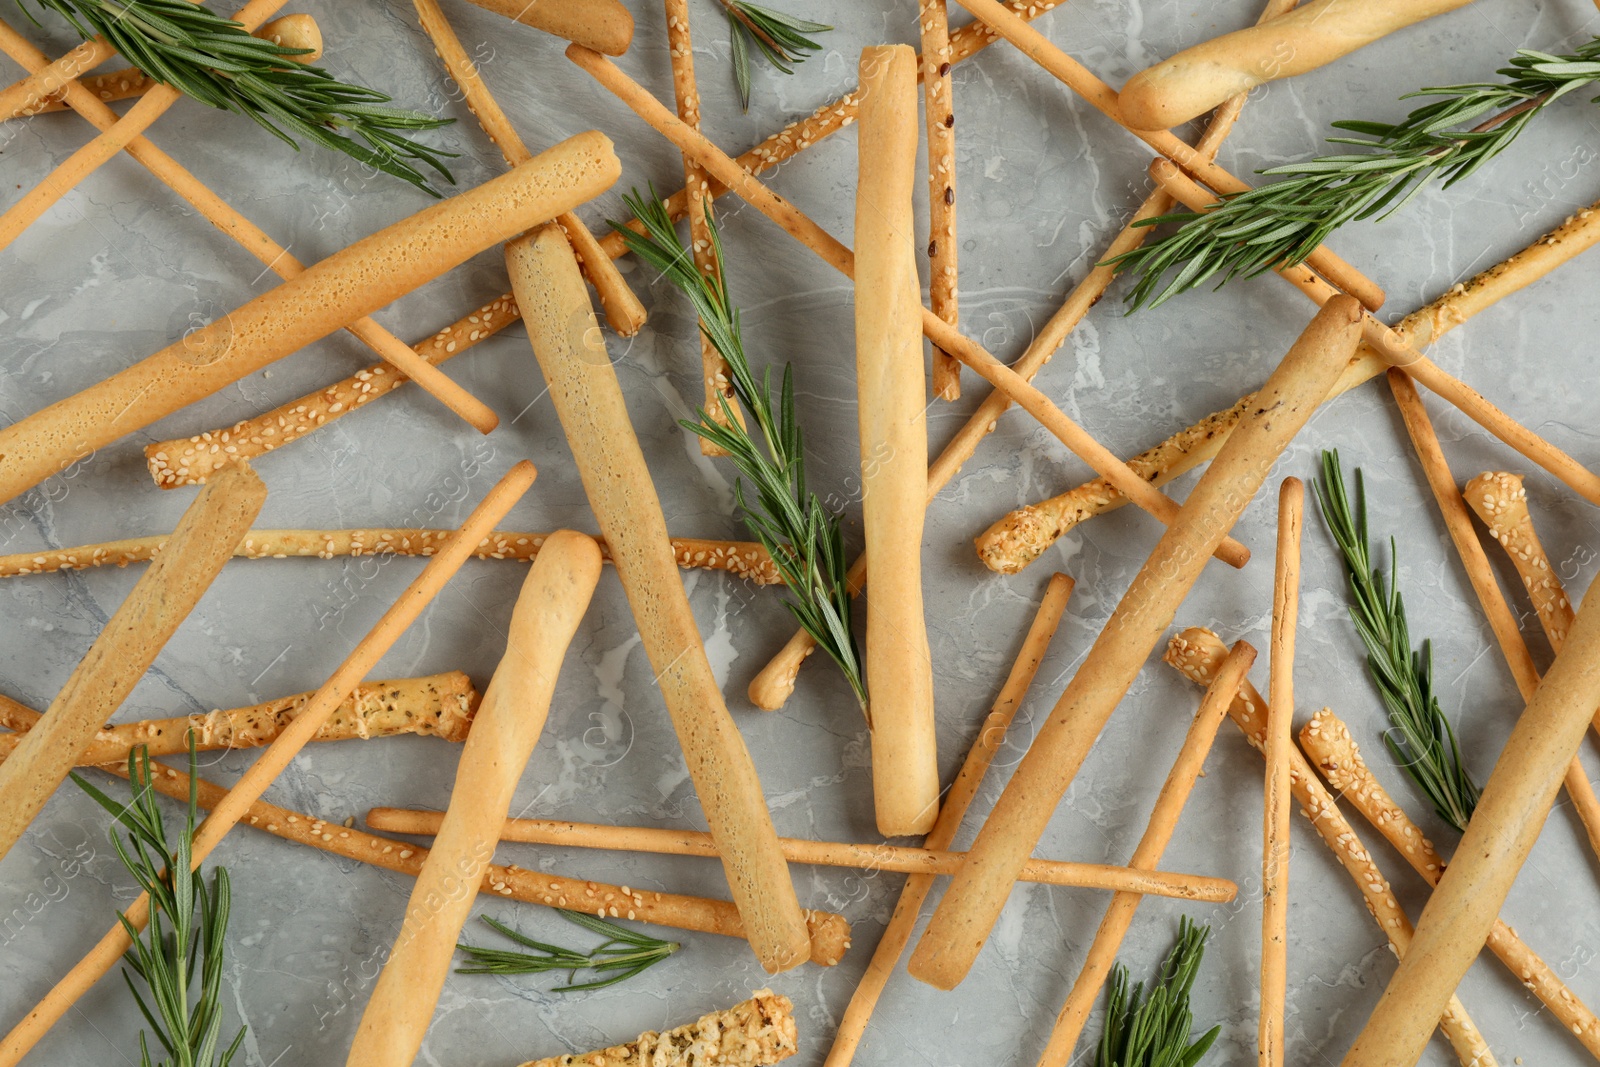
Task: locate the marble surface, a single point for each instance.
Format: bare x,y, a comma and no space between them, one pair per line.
121,267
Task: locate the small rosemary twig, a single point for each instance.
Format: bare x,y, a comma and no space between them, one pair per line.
623,951
1421,739
781,38
1154,1031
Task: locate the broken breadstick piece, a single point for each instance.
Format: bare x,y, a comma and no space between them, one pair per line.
604,25
754,1033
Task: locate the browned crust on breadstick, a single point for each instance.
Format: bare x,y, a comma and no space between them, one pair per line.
754,1033
604,25
125,648
1197,653
939,116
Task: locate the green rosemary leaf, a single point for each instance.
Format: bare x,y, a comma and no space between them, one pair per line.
1155,1030
780,37
625,951
741,59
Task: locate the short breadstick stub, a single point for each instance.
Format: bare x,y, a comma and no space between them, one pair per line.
604,25
754,1033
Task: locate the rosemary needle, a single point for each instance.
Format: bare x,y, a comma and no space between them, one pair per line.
780,37
625,952
1154,1031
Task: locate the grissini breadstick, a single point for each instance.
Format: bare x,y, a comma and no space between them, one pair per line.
1400,353
122,653
236,803
1500,501
1458,522
1280,742
794,222
623,310
603,25
1312,35
894,447
754,1033
1042,523
892,858
939,117
1334,753
1186,770
351,283
441,705
1197,654
746,559
1515,804
588,401
250,236
990,737
976,896
552,603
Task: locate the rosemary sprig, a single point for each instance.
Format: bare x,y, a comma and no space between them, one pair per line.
1283,222
780,37
213,60
624,951
1154,1031
1421,739
801,535
187,924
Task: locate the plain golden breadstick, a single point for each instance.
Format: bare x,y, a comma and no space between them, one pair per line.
939,119
351,283
122,653
236,804
976,896
1312,35
1197,654
603,25
894,447
755,1033
552,603
1180,781
588,401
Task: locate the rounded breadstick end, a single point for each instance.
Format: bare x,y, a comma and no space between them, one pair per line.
1171,93
771,688
1499,499
295,31
1016,540
603,26
830,937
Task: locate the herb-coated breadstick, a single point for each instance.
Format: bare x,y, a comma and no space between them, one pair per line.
754,1033
939,118
589,404
976,896
604,25
127,646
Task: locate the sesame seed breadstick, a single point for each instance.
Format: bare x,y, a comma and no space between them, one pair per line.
356,281
754,1033
1335,754
604,25
933,21
126,647
1500,501
589,404
1197,654
967,914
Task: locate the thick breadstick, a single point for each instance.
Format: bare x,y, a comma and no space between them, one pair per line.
351,283
968,911
588,401
1280,743
892,397
803,229
441,705
1186,770
940,119
1197,654
1476,563
554,597
603,25
623,310
236,803
1502,503
124,650
754,1033
1312,35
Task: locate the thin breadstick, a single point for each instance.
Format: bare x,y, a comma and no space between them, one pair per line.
350,283
1312,35
250,236
1197,654
552,603
894,447
1180,781
806,231
990,737
976,896
754,1033
933,21
1280,742
746,559
1500,501
127,646
440,705
1400,353
1334,753
623,310
603,25
230,808
1458,522
588,401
